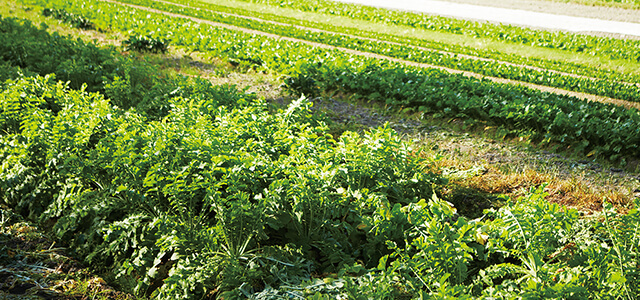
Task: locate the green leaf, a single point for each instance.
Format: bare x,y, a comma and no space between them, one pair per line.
617,277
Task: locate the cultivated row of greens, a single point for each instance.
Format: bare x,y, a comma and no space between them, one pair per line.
557,65
607,86
75,20
604,130
562,66
216,195
627,49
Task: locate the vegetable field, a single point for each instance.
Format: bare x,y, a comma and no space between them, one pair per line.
173,187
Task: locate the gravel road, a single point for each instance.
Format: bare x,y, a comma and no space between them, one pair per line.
510,16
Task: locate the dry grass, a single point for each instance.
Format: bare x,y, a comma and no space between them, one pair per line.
509,167
580,190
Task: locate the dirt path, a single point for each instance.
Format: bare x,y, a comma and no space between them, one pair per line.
562,8
588,97
509,16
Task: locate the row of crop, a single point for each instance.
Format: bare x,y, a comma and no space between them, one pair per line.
561,66
174,208
627,49
608,130
602,87
27,48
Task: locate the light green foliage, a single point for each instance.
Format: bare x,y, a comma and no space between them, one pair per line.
578,43
556,258
21,99
534,227
606,85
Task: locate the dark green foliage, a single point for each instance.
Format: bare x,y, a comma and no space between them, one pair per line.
146,43
75,20
205,183
25,47
606,129
125,81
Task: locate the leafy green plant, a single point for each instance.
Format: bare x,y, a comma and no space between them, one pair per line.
74,20
146,43
151,200
437,246
625,235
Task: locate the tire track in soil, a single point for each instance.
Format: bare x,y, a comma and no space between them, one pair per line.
588,97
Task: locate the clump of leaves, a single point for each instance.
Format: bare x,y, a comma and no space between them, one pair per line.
76,21
146,43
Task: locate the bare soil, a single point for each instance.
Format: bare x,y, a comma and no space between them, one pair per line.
33,266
